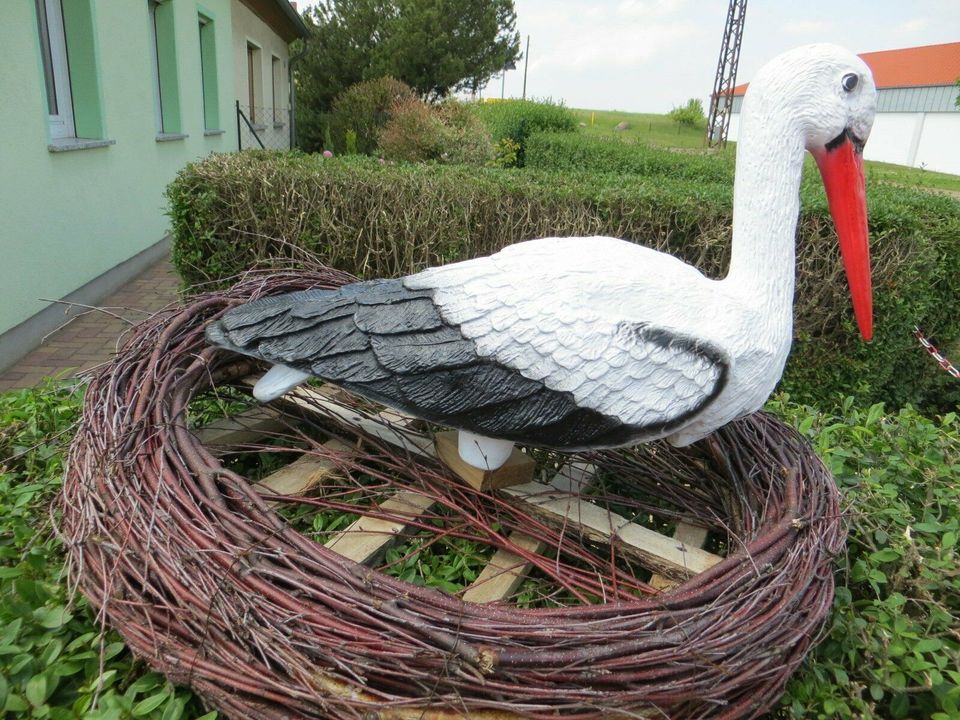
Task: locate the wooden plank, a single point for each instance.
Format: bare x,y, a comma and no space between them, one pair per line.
658,552
655,551
504,572
518,468
248,426
368,537
302,474
686,535
317,401
507,570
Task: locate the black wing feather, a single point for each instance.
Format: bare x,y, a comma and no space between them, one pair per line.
391,344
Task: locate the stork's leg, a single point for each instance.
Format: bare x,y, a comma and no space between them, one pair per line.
483,452
278,380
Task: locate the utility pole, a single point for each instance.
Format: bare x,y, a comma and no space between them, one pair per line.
526,60
721,101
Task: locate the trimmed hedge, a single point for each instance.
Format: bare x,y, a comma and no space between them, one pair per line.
232,212
611,155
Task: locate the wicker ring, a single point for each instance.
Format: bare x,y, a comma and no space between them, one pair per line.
206,579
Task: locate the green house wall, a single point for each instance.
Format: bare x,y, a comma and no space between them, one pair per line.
68,217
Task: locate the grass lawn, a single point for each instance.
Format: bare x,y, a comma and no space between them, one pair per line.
644,127
661,130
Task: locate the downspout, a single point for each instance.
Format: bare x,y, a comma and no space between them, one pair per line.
293,94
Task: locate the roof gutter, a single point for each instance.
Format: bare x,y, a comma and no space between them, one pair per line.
294,18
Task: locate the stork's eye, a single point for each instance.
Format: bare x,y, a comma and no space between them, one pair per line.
850,81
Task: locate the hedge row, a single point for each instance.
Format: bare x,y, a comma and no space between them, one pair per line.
611,155
232,212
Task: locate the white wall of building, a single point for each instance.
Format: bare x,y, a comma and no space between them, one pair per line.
939,146
893,138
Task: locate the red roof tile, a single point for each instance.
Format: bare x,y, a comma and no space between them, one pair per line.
909,67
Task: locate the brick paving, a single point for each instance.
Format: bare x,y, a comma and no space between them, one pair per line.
90,338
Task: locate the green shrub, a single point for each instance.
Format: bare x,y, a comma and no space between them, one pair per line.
516,120
231,212
892,648
611,155
689,115
448,132
364,109
50,641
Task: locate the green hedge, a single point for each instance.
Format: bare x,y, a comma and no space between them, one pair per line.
611,155
512,122
232,212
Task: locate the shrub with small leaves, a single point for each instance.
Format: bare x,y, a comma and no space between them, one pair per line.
364,109
892,645
55,661
418,131
516,120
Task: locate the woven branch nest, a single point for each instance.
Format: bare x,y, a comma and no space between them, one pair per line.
210,585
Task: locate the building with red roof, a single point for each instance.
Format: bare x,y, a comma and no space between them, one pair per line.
918,121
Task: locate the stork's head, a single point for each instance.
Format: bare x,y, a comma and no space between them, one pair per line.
829,95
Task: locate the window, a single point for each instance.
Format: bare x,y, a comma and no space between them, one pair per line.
166,96
254,80
56,68
71,73
208,74
276,74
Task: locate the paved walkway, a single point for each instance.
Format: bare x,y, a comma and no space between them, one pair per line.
90,337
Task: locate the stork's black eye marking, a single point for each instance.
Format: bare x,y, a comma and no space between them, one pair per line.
850,81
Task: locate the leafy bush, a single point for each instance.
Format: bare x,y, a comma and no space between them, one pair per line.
689,115
611,155
231,212
448,132
892,648
50,641
364,109
516,120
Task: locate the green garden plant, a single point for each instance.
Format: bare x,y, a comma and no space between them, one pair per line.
56,661
516,120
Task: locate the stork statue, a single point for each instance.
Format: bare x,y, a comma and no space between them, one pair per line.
593,342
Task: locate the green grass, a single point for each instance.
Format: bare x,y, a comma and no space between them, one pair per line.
644,127
912,177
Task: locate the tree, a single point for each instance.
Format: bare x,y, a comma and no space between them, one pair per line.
690,115
434,46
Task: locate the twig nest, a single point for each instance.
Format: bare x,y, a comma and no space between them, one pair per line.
210,585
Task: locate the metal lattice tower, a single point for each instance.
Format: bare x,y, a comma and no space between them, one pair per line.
721,101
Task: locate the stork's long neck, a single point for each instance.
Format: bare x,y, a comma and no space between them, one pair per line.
765,207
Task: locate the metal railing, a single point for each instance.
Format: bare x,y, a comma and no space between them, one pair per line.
262,127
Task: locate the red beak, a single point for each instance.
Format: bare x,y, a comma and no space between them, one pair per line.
841,167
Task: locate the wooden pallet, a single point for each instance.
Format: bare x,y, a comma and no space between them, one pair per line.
558,501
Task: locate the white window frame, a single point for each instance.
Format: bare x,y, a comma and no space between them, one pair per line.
276,80
152,6
57,65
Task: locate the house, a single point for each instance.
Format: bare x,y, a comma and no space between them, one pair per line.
918,121
103,101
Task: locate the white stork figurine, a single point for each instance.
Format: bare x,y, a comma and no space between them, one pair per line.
577,343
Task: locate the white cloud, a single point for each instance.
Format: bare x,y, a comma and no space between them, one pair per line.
808,27
916,25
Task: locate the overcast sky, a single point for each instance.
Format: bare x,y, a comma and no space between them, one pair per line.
651,55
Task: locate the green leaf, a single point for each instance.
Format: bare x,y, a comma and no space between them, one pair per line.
927,645
148,705
4,691
212,715
52,618
174,710
37,690
949,540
